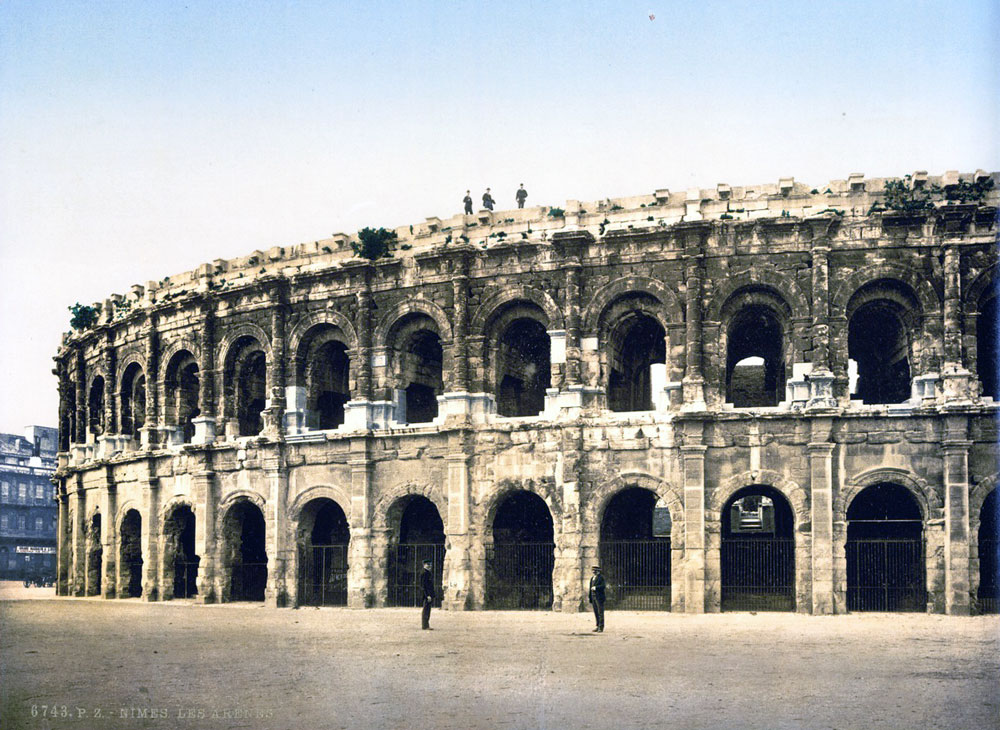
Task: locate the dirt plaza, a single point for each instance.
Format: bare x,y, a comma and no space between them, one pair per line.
89,663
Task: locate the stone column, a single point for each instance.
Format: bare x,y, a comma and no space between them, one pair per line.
958,383
956,516
63,544
205,427
79,538
359,573
81,397
204,496
457,563
694,379
279,547
110,391
821,379
821,498
696,592
460,298
66,397
151,567
109,541
150,433
274,415
568,577
358,412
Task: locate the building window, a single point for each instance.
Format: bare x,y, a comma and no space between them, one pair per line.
39,491
22,522
22,492
4,521
39,522
4,490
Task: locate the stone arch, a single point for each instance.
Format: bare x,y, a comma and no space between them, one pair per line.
389,497
601,497
977,496
411,306
926,497
123,509
320,491
301,329
779,284
178,500
499,298
172,350
233,334
921,288
505,487
670,312
796,495
231,499
131,358
984,281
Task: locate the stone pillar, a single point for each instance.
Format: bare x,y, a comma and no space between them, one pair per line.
457,563
78,578
205,500
110,391
821,498
956,516
205,427
695,590
274,415
568,578
694,379
151,566
460,298
150,434
958,384
66,397
279,547
109,541
821,378
360,593
82,426
63,543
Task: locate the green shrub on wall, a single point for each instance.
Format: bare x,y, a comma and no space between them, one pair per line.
374,243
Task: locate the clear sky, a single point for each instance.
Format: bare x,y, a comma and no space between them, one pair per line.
139,139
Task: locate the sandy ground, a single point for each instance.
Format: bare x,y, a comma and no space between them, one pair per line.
106,663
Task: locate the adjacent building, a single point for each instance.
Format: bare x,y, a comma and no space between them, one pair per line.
28,511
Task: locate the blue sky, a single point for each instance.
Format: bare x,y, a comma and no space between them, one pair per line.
140,139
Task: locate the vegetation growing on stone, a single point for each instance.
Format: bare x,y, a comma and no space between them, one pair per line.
84,316
374,243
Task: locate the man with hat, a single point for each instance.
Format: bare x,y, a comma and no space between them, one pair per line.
597,597
427,588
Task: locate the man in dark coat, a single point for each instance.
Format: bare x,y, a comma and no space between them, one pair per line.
597,597
427,589
520,196
487,200
468,202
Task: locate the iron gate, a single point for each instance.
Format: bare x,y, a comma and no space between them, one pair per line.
323,576
134,586
185,576
248,582
406,567
758,574
519,575
637,573
886,574
989,564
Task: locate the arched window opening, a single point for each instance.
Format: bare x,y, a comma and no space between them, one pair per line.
133,400
421,376
758,551
323,539
181,386
885,551
245,552
755,366
130,560
877,341
419,536
520,560
251,393
179,558
988,593
523,368
987,360
635,551
95,407
637,345
95,553
328,376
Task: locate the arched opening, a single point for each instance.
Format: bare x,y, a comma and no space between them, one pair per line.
636,346
181,393
755,365
523,368
130,560
251,393
885,551
323,539
417,535
418,359
132,398
245,552
328,384
988,594
635,551
180,561
758,551
95,407
95,554
878,342
987,360
520,559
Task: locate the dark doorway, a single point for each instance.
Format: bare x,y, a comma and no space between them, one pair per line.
324,540
885,551
989,555
244,536
755,367
519,562
877,341
421,364
758,551
637,342
987,361
252,394
95,407
329,388
635,551
130,564
179,552
523,368
419,537
132,397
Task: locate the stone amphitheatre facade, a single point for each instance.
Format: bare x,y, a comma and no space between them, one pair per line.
769,397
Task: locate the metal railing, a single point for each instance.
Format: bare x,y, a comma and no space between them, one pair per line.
405,568
185,578
247,581
133,588
637,573
519,575
989,580
758,574
886,574
323,576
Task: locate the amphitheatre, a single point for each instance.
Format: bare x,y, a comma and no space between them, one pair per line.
772,397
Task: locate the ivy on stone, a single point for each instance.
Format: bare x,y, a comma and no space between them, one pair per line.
374,243
84,316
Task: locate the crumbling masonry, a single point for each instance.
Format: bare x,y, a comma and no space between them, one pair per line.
774,398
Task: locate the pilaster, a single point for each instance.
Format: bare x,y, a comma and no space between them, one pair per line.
693,465
278,548
204,494
821,499
78,579
956,516
458,566
359,575
151,565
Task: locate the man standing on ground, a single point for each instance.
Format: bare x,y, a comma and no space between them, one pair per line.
427,588
520,196
597,597
468,202
487,200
